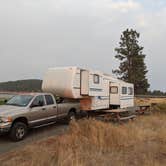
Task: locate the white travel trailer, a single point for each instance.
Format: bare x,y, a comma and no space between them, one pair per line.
94,89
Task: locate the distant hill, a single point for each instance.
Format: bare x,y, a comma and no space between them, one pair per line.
31,85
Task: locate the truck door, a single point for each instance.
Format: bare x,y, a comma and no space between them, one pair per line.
38,111
84,76
51,107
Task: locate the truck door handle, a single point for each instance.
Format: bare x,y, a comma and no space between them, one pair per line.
43,108
54,106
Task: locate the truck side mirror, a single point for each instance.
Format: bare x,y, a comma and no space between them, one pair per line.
32,105
41,103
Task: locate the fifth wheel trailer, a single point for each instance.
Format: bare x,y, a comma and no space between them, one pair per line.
94,89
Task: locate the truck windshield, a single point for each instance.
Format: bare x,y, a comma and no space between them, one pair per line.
20,100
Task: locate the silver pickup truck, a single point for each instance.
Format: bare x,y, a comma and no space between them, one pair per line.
31,110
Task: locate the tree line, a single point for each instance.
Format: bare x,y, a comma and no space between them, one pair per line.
31,85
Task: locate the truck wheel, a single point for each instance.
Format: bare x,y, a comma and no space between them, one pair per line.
18,131
71,116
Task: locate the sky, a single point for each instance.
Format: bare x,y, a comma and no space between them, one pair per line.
38,34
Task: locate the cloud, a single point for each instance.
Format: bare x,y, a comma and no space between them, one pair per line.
125,6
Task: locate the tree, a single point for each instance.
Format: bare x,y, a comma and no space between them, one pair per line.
132,66
156,93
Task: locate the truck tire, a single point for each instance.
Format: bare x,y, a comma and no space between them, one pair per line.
71,116
18,131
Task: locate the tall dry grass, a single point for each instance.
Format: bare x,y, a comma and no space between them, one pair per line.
157,104
145,101
95,143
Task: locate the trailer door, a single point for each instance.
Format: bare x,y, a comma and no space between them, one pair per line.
84,82
114,94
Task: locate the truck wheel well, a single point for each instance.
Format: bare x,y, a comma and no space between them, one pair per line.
72,110
21,119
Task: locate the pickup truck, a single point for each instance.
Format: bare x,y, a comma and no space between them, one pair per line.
32,110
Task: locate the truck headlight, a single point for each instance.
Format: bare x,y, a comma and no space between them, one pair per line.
5,119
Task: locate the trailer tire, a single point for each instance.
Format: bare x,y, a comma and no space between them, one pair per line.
18,131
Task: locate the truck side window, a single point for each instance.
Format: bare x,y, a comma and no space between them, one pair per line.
38,101
49,100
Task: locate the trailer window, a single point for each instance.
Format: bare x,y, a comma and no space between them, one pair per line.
96,79
114,89
130,91
124,90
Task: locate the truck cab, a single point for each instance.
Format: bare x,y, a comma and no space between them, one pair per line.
30,110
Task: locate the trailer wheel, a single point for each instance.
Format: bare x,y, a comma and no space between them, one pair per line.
18,131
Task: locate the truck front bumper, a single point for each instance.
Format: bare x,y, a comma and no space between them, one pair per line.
4,127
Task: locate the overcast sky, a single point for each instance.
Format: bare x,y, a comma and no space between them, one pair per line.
38,34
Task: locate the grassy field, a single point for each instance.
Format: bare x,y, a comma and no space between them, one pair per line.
91,142
146,101
158,104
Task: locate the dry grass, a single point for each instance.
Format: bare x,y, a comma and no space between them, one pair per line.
158,104
90,142
146,101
